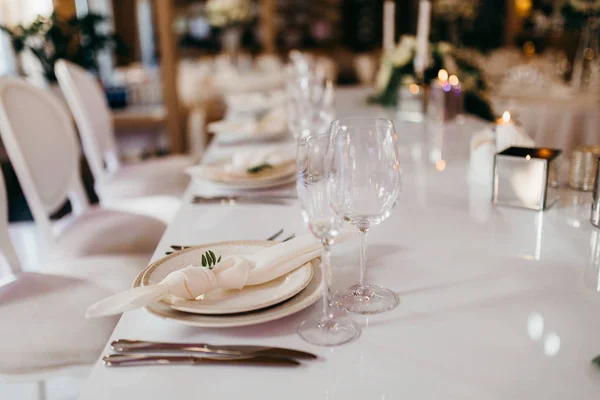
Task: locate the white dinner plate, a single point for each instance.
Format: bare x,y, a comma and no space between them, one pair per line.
302,300
283,174
222,301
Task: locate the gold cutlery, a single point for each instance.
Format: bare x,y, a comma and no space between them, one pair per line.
131,360
132,346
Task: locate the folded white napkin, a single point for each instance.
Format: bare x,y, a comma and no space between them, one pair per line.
272,122
232,272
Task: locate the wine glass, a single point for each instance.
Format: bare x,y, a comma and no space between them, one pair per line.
365,182
323,329
309,102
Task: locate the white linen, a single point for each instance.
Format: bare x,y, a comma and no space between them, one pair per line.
508,287
561,123
232,272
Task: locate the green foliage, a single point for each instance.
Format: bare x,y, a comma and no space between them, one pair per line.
209,259
474,86
259,168
52,38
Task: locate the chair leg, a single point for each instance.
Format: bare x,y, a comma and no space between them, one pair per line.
41,390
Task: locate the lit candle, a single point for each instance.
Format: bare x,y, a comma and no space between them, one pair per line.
421,54
508,134
389,24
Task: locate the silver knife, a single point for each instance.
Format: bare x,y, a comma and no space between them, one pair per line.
125,345
131,360
241,199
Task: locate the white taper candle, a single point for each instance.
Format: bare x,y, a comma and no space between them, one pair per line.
421,54
389,24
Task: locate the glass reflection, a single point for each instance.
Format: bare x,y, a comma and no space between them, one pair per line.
535,326
591,275
551,344
535,330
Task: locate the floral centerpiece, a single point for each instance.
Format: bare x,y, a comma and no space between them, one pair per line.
397,68
77,39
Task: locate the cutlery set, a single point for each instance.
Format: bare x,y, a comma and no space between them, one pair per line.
177,248
144,353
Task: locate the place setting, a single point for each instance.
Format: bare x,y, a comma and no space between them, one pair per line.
240,283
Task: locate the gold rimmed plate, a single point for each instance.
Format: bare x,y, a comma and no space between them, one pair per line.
222,301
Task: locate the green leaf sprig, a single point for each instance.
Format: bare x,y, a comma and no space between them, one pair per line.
209,259
259,168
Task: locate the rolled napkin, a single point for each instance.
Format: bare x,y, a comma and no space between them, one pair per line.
232,272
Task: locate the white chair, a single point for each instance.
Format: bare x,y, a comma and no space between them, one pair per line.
44,332
162,176
42,145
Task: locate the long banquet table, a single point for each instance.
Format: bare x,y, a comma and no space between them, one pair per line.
496,303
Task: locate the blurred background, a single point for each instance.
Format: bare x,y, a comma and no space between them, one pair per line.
163,63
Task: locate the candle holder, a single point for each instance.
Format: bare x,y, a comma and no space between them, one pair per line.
526,177
411,103
445,101
582,173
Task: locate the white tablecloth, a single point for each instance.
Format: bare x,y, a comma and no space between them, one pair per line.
496,303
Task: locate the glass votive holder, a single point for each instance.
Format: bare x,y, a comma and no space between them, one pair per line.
445,101
582,173
411,103
526,177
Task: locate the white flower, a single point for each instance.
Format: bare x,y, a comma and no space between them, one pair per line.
400,56
444,47
403,53
408,41
383,76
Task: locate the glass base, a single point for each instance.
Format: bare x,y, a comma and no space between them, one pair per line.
372,299
328,332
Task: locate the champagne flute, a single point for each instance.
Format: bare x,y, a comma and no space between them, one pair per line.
323,329
365,182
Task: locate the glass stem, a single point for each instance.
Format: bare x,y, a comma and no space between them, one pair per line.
363,285
325,270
